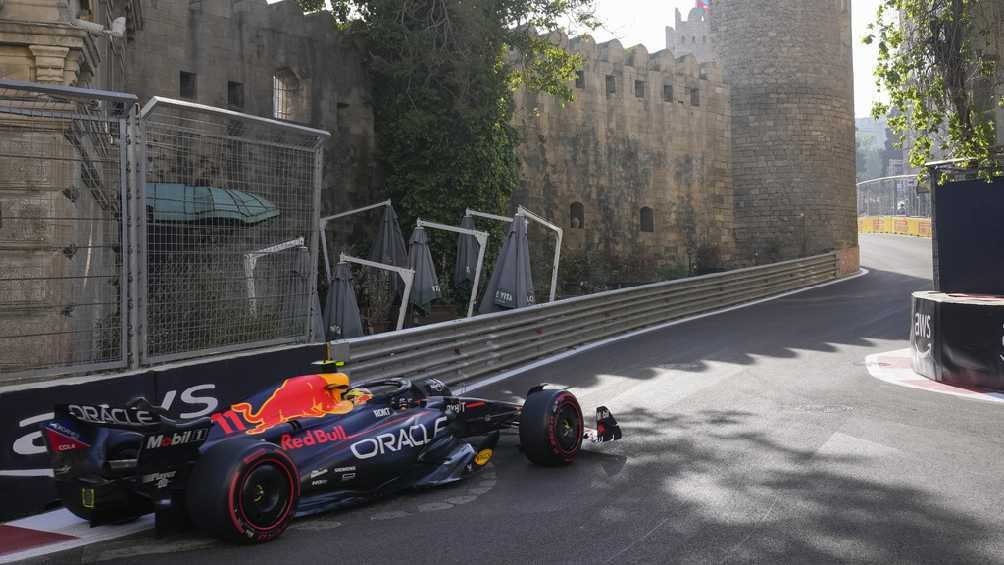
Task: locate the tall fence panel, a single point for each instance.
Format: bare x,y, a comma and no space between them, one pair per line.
63,185
231,206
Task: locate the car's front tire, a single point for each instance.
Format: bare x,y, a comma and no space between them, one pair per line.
243,491
551,427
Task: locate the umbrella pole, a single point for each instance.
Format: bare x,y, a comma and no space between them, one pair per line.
482,238
407,275
482,243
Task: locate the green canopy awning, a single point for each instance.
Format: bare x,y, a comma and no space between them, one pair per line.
173,202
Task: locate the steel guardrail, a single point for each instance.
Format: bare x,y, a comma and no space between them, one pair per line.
460,350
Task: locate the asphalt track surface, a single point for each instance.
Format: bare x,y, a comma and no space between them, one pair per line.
756,435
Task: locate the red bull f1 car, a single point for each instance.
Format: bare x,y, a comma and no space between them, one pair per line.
311,444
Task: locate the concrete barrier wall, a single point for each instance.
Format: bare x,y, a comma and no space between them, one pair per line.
898,225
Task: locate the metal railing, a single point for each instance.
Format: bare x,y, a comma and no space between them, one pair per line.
63,281
464,349
229,220
129,239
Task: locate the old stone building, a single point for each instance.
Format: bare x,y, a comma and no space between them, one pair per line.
58,189
789,66
637,168
268,60
692,36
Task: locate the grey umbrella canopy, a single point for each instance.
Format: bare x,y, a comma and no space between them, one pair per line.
511,285
388,247
467,254
425,288
341,313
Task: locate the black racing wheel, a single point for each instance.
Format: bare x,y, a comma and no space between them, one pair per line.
243,491
551,427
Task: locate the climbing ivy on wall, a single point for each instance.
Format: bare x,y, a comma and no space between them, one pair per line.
939,64
443,74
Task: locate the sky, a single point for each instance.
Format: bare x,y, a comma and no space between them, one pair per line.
645,21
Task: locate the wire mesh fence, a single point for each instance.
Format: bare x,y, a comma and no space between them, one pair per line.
897,197
231,209
62,184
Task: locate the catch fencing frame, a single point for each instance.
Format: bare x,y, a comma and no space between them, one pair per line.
307,144
91,124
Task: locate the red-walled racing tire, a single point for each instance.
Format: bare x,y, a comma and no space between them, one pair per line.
551,427
243,491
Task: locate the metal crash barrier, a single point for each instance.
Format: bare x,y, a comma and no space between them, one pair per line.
464,349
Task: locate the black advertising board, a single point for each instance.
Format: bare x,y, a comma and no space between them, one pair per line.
187,390
969,236
959,339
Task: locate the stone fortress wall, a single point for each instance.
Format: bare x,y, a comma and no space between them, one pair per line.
789,66
637,168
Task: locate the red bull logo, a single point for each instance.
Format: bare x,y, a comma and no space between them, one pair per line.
311,396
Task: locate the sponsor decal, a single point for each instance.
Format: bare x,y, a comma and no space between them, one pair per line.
319,482
348,477
381,412
60,442
297,397
105,414
344,469
483,457
61,470
180,438
160,480
412,436
31,443
317,473
312,437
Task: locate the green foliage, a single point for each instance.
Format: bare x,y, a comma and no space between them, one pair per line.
938,66
443,74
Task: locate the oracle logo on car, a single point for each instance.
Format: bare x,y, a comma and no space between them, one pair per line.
412,436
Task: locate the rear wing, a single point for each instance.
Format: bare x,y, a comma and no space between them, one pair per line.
156,440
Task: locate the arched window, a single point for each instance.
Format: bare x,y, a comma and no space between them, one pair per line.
577,216
647,220
285,95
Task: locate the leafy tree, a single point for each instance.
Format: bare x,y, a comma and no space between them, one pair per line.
443,74
938,65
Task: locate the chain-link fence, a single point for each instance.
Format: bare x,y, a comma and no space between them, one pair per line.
128,240
893,197
231,207
63,158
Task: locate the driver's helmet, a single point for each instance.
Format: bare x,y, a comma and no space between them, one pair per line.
359,395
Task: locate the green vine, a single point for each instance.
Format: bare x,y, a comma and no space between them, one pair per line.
938,62
443,74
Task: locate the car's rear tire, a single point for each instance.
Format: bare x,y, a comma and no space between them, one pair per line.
243,491
551,427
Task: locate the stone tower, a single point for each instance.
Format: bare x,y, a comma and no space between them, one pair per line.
789,66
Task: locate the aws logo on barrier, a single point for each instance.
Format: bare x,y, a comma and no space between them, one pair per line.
194,399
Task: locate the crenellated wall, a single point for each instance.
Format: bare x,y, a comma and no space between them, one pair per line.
659,140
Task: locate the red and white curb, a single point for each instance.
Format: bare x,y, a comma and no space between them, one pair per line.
58,530
895,367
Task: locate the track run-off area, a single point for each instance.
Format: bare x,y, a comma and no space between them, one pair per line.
754,435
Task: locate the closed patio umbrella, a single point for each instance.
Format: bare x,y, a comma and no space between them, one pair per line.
388,247
467,254
341,313
425,288
511,284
